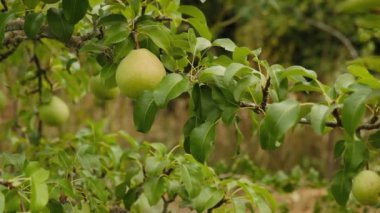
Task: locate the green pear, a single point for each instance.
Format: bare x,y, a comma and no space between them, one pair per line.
100,90
54,113
366,187
140,70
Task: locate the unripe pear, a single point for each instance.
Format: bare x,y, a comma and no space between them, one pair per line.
54,113
366,187
99,89
140,70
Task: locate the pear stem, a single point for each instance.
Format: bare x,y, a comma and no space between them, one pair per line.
135,38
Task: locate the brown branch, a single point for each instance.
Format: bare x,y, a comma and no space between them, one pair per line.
369,126
15,28
265,94
337,34
5,6
337,117
219,204
327,123
7,184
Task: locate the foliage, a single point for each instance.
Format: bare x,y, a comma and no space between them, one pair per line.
70,40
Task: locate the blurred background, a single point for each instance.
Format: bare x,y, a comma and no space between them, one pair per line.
310,33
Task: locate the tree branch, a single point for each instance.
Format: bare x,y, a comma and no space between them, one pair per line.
15,28
5,6
337,34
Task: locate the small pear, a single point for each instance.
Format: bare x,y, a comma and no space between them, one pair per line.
140,70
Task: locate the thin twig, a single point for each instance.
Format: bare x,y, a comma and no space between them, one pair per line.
40,74
5,6
337,34
265,94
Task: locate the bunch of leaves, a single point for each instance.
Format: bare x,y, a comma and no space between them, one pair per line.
219,77
90,172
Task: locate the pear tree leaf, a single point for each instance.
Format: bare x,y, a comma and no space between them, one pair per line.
364,76
2,202
39,189
198,20
353,110
237,69
353,6
74,10
341,187
202,44
355,155
4,17
298,71
279,118
33,23
144,112
207,198
202,141
208,75
225,43
157,32
154,189
172,86
318,117
58,25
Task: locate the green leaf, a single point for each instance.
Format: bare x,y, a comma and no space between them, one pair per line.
157,32
131,196
208,75
144,112
339,148
2,202
279,118
202,141
202,44
298,71
225,43
116,34
207,198
353,110
236,69
58,25
39,194
154,189
4,17
355,155
244,85
31,3
172,86
267,199
187,181
357,5
369,21
33,23
240,55
371,62
205,108
343,82
374,139
193,12
318,117
364,76
198,21
74,10
40,175
112,20
341,187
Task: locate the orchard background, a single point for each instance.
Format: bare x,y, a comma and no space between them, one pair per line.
266,106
